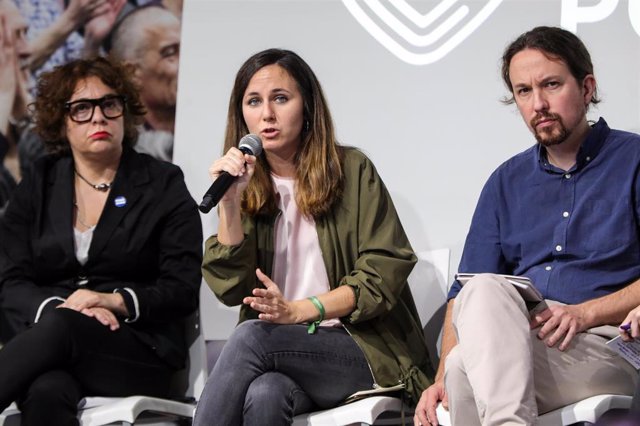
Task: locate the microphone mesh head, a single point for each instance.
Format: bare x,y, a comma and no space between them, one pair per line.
251,142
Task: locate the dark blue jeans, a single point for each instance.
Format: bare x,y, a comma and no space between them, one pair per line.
268,373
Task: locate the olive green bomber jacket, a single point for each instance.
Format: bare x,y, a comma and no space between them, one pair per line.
363,246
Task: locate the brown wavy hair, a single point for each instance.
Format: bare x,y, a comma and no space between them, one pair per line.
319,176
556,44
56,87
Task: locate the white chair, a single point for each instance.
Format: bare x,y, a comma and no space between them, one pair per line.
98,411
588,410
428,283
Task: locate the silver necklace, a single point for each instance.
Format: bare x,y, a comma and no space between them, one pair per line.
80,217
102,187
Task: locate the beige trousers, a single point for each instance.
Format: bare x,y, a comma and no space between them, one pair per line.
500,373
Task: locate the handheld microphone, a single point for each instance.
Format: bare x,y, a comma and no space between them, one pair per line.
249,144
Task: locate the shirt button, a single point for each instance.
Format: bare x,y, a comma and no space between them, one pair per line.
547,268
565,214
567,176
558,247
588,158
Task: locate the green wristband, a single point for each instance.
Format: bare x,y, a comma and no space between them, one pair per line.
315,324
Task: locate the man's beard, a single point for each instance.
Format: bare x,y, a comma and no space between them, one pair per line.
550,135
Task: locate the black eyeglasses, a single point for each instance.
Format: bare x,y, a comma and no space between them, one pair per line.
81,111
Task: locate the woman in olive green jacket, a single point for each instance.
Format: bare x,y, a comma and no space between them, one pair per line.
310,244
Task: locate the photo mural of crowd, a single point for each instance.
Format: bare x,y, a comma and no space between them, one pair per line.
37,35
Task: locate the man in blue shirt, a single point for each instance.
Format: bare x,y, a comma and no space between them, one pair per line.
564,213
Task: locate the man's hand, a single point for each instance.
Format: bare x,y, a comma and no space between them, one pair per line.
633,319
560,323
426,409
270,303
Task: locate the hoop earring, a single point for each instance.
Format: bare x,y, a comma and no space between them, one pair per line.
306,126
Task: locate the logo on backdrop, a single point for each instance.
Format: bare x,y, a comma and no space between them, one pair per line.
424,37
420,38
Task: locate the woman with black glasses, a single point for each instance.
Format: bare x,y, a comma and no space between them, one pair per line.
100,251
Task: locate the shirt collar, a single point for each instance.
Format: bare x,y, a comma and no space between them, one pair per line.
589,149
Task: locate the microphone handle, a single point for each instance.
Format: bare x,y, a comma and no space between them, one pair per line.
216,191
219,187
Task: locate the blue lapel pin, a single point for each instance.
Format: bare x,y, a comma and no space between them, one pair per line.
120,201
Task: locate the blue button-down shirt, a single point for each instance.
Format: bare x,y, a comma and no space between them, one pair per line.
574,233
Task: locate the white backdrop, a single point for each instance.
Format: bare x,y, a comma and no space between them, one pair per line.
436,130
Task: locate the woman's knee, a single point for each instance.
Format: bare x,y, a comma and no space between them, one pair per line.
58,321
56,328
244,346
267,388
273,396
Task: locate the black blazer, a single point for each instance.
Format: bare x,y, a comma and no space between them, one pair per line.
148,239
